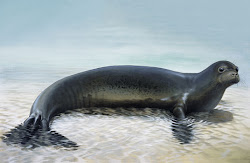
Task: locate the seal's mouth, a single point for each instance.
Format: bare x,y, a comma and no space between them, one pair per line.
236,79
230,78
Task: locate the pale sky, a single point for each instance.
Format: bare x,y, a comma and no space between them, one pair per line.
45,22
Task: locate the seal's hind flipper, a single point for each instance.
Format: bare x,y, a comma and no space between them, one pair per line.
30,138
28,121
17,135
35,122
45,125
59,140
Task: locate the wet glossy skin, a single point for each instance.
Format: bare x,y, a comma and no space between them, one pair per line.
135,86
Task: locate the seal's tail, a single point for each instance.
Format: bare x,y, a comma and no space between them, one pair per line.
32,136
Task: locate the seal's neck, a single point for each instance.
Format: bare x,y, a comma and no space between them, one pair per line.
207,82
207,89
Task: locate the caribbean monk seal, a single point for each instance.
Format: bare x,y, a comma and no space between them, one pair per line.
134,86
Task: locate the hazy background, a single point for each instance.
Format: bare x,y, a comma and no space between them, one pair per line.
179,35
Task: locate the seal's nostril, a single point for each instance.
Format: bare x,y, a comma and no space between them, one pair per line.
234,74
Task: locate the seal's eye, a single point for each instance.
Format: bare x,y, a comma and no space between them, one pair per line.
236,69
221,69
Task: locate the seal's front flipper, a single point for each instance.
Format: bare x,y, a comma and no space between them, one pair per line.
179,110
179,113
182,128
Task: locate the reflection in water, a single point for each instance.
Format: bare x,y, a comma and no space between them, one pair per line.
28,138
32,138
182,129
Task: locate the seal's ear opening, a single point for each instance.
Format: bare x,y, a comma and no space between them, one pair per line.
28,138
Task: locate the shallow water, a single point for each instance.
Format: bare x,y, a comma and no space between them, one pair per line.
38,48
145,135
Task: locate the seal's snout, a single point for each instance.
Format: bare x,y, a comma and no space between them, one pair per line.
235,76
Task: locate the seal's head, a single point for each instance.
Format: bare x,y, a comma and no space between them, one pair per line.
226,73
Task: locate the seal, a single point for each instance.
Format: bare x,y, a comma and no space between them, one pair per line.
135,86
126,87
